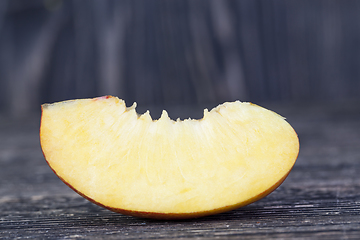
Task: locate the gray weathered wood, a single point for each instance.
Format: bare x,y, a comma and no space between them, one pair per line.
178,51
320,198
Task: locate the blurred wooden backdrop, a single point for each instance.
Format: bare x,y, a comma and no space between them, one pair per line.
178,51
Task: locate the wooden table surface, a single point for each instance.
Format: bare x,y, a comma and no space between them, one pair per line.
319,199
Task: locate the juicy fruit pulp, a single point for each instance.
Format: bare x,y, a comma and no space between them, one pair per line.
236,154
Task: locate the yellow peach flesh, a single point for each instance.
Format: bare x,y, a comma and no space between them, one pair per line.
236,154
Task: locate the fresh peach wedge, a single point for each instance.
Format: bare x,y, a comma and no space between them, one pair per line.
236,154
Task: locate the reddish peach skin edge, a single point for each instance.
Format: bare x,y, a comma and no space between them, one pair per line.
103,97
173,216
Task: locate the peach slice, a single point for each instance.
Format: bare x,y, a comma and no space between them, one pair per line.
236,154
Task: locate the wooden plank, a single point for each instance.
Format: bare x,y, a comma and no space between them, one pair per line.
180,52
320,198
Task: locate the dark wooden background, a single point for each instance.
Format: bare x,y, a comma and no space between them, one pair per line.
188,52
300,58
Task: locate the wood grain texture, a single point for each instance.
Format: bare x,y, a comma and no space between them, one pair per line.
319,200
178,51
